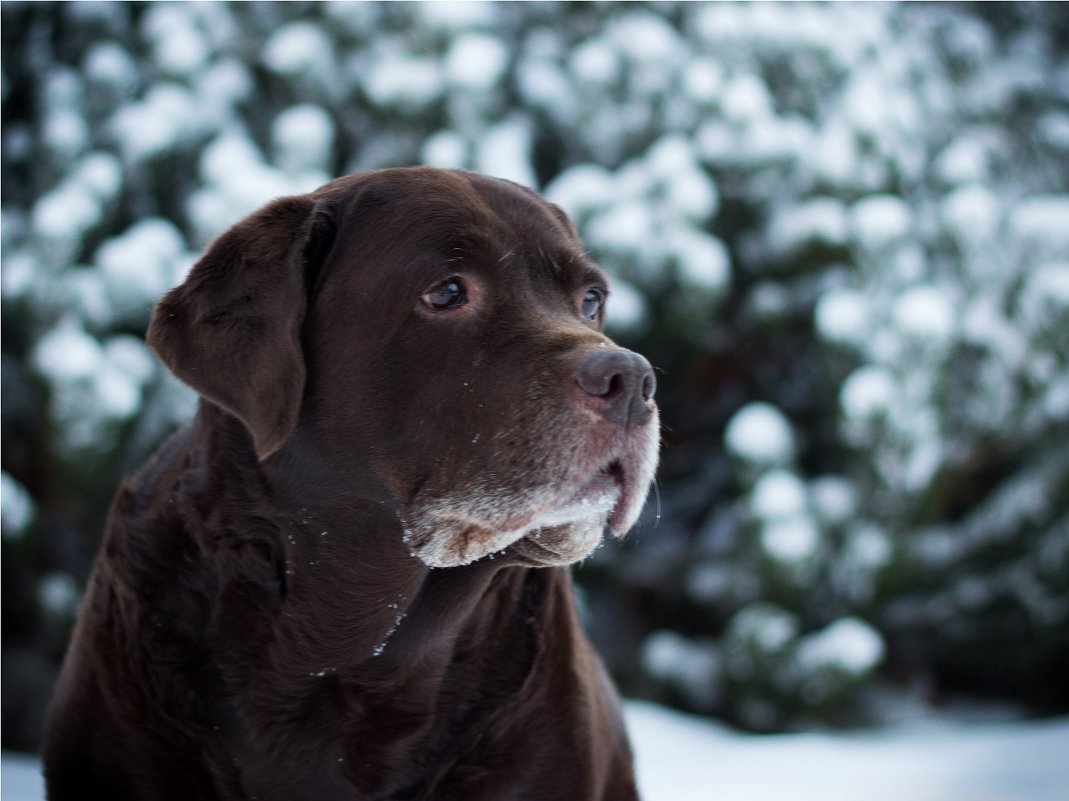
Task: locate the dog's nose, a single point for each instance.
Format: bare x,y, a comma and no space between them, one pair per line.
621,381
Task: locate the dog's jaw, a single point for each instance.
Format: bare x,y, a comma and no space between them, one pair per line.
558,522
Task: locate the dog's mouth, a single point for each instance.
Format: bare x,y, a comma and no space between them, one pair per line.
617,480
614,479
606,481
613,496
616,521
597,497
560,532
549,523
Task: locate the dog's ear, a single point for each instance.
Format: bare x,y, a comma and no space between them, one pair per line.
232,331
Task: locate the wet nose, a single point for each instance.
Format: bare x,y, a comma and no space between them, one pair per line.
621,383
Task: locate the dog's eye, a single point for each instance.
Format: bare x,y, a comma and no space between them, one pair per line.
450,294
592,302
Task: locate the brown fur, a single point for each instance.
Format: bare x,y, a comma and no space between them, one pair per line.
344,580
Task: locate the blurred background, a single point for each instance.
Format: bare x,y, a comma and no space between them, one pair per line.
841,233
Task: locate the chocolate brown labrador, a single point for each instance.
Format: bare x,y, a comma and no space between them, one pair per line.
346,578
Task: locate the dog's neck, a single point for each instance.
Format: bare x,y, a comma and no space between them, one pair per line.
339,611
352,601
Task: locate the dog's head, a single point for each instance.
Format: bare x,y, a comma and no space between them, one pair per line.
438,334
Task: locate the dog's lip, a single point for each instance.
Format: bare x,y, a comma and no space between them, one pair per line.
631,497
608,478
605,481
597,494
616,520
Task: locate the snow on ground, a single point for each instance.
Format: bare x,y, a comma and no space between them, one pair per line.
683,758
20,778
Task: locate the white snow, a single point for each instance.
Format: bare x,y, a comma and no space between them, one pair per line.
984,322
408,82
1044,299
19,274
703,79
475,62
703,259
299,47
866,110
691,666
790,540
834,498
109,65
685,758
1054,127
623,225
62,88
58,594
581,188
690,192
867,392
626,310
647,38
834,156
848,644
139,266
868,547
381,647
769,301
64,214
65,132
746,100
924,312
778,494
131,356
1055,402
229,153
221,86
717,143
16,507
709,582
669,156
543,83
445,149
117,394
964,160
763,626
92,384
818,220
971,213
1040,222
594,61
504,152
237,182
168,114
456,14
20,778
844,315
68,353
177,46
759,432
303,137
100,172
879,221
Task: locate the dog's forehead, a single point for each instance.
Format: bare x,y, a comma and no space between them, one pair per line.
453,215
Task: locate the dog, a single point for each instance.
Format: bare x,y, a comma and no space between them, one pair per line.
347,578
